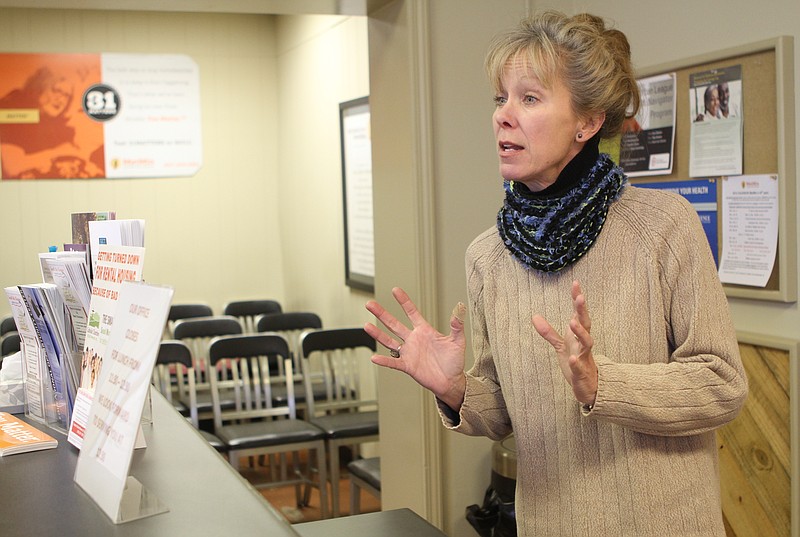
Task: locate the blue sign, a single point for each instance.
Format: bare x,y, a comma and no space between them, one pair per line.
702,194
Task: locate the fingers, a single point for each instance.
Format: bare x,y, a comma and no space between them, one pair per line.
580,306
457,320
408,306
581,333
381,337
547,332
391,363
388,320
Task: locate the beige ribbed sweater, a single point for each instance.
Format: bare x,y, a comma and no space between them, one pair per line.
644,461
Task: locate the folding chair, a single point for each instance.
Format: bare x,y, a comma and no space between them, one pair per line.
348,414
10,343
257,425
364,474
247,311
8,324
173,377
197,333
178,312
291,325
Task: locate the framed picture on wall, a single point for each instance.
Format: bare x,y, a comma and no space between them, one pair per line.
359,248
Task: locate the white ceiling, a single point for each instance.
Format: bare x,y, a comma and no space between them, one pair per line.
275,7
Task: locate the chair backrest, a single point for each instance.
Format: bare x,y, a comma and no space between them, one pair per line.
291,325
173,375
8,324
10,343
185,311
197,333
246,366
247,311
339,359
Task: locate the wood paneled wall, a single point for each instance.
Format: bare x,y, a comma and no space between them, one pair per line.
757,465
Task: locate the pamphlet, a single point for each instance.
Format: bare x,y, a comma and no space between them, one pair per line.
115,265
17,436
116,410
113,233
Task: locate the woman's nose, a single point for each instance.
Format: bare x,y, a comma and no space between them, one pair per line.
504,115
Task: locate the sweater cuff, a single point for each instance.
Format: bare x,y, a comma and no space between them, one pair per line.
450,418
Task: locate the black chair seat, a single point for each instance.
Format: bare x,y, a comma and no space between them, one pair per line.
268,433
348,424
368,469
204,404
182,409
279,393
214,440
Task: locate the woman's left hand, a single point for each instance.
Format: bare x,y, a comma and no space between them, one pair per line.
574,349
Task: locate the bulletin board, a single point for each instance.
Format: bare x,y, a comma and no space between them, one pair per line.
759,455
768,142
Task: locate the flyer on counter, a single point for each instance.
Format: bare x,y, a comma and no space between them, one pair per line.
116,410
115,264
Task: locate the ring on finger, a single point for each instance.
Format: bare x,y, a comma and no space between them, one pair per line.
395,353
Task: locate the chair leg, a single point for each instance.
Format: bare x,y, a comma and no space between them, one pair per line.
333,449
323,481
299,498
355,498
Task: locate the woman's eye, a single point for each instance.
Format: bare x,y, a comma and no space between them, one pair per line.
499,100
529,99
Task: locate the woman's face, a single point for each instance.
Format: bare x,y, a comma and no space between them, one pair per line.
55,98
535,127
712,102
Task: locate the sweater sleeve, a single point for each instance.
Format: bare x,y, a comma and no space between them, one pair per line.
484,411
703,385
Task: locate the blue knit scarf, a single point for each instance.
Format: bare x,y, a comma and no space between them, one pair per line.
547,233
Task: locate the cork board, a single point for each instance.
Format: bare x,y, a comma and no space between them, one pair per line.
758,451
768,142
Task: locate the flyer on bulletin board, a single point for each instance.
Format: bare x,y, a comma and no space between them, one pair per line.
702,194
80,116
648,138
750,229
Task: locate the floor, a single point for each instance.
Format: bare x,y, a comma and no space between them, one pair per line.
284,498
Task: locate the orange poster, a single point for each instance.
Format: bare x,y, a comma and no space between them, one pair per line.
84,116
44,131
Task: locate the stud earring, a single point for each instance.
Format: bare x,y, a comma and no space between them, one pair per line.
580,135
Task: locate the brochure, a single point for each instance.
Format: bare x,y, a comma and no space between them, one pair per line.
17,436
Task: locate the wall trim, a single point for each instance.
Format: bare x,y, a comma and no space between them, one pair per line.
424,202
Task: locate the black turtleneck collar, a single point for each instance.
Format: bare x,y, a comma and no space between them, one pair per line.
575,170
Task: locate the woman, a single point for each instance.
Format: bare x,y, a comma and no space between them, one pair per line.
711,103
613,408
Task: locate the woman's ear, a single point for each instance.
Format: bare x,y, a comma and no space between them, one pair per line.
590,126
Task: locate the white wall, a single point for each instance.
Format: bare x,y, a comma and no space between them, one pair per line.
214,236
263,217
322,61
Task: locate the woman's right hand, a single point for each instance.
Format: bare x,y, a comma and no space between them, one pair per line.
434,360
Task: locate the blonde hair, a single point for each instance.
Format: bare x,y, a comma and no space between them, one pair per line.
593,62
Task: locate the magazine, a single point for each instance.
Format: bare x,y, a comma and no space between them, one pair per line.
17,436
